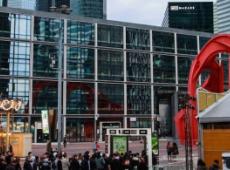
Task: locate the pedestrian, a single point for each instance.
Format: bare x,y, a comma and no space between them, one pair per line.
96,147
215,165
201,165
175,151
74,165
99,161
65,162
65,142
169,150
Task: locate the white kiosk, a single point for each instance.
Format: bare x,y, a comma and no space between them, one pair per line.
120,135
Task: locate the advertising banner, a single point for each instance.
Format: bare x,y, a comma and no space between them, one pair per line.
120,144
45,126
155,144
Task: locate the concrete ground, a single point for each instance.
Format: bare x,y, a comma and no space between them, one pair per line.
134,146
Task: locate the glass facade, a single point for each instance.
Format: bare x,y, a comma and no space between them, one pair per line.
113,73
197,16
89,8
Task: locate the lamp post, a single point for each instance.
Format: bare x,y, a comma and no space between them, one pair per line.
9,106
64,10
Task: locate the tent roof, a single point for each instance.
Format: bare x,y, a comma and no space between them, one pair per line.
218,112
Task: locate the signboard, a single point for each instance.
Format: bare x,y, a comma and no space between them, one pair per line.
120,144
45,126
155,144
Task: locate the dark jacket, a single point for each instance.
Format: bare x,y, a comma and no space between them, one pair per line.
74,165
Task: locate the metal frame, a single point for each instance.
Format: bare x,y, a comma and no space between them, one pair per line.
119,132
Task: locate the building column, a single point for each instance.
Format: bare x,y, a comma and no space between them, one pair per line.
125,78
152,81
96,82
31,72
65,78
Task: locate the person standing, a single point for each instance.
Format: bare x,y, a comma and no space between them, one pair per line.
65,162
215,165
65,142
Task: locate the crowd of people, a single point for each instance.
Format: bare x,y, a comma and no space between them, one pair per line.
86,161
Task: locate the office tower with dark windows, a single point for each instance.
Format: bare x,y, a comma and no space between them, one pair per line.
85,8
115,74
222,16
196,16
89,8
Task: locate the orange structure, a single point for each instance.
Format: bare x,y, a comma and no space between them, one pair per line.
205,60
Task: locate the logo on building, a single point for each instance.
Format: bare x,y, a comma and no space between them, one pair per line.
179,8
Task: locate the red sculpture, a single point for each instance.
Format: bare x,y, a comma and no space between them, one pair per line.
205,60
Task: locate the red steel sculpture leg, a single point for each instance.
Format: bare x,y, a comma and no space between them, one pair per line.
205,60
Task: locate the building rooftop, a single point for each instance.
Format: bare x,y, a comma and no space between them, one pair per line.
100,21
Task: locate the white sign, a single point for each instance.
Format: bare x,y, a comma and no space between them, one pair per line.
178,8
45,126
133,119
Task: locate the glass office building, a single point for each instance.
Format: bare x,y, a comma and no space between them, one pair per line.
115,74
196,16
84,8
222,16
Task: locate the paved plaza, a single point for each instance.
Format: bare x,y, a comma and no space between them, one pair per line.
134,146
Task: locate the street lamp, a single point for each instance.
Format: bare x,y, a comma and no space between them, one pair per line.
64,10
9,106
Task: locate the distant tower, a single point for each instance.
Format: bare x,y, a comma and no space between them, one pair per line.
222,16
89,8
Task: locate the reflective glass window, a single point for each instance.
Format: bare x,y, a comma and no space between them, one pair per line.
15,26
110,36
45,61
110,98
203,41
44,95
137,39
164,68
80,63
14,58
46,29
139,99
80,98
186,44
138,67
80,33
140,123
110,65
184,64
80,130
163,41
16,89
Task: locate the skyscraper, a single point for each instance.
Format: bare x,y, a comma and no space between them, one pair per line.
85,8
222,16
89,8
25,4
197,16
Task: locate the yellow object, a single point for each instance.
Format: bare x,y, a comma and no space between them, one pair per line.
21,143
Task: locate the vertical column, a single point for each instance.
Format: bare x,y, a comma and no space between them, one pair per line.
125,78
177,81
8,130
96,82
31,71
152,81
176,61
198,50
60,79
65,78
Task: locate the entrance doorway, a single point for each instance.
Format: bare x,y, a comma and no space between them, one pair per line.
107,125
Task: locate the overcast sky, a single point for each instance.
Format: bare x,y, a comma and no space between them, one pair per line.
150,12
